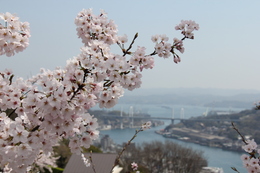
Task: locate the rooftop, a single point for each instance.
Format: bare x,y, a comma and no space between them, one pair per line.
103,163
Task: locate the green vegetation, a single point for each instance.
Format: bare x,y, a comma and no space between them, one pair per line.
92,149
54,170
63,152
165,156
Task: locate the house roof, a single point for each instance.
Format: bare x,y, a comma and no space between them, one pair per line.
103,163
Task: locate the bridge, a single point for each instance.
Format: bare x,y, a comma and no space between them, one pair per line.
172,118
169,118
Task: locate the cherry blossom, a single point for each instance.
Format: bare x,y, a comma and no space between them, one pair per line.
146,125
187,27
251,161
36,113
134,166
85,160
165,49
14,35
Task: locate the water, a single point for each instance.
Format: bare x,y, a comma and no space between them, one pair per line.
216,157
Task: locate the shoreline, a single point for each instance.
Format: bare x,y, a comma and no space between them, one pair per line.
202,139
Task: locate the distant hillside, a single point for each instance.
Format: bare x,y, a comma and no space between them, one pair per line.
191,91
194,96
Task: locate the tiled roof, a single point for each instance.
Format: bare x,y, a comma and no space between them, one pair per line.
103,163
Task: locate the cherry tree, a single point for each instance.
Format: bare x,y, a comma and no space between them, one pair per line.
36,113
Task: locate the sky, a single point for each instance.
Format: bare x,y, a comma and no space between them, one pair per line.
224,54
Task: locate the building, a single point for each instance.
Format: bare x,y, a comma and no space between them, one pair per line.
106,143
211,170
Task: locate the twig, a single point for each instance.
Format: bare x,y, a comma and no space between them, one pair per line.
234,169
122,151
11,79
130,46
154,53
11,112
243,139
92,163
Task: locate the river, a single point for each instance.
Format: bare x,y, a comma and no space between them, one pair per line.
216,157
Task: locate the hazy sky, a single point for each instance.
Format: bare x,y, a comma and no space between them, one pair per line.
224,54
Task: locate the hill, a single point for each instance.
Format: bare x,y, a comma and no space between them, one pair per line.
246,121
207,97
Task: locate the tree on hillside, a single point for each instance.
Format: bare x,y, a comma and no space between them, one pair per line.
63,153
164,157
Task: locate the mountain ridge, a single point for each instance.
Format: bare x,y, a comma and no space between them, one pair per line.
209,97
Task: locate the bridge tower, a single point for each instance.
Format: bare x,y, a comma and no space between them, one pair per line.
121,119
131,114
182,113
172,116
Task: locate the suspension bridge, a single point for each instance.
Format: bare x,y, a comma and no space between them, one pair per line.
172,118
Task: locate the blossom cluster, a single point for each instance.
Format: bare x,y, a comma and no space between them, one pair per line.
134,166
251,162
85,160
146,125
187,27
38,112
14,35
34,118
165,49
93,27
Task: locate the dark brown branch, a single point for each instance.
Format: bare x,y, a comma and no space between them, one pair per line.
234,127
154,53
11,79
80,86
92,163
11,113
234,169
122,151
130,46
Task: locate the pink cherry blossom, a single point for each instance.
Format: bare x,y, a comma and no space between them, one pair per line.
54,104
134,166
14,35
